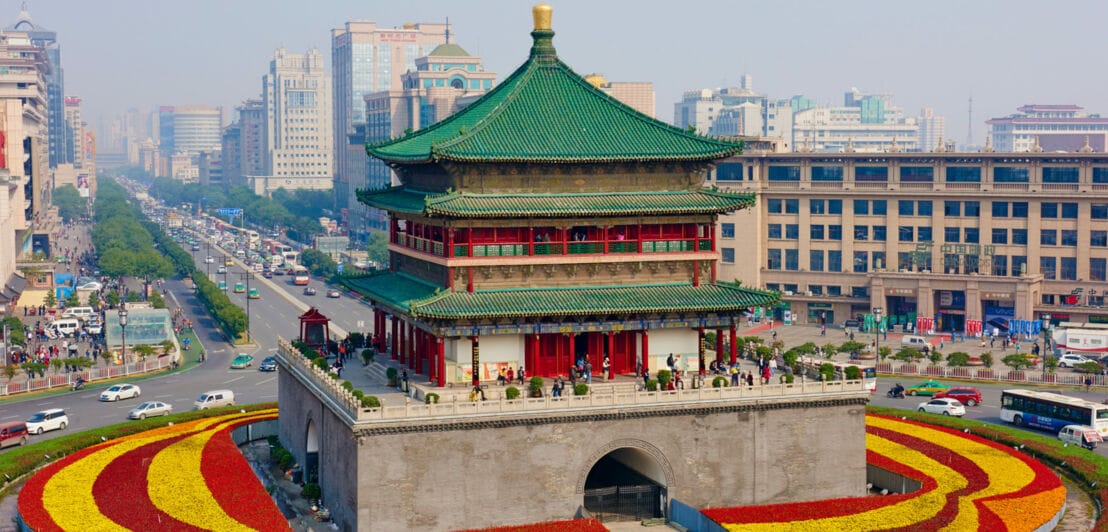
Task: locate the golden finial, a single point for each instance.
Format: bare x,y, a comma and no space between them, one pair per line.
542,13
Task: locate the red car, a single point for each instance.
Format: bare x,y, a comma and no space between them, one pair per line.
968,396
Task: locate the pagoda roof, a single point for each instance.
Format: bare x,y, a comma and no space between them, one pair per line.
544,112
510,205
403,292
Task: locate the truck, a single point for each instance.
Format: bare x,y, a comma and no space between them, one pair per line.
1092,343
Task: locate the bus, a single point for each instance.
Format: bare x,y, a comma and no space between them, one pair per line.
300,276
290,256
1051,411
811,367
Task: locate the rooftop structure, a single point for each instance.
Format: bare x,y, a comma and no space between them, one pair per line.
1037,127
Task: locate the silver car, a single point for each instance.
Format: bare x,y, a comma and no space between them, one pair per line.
150,409
945,406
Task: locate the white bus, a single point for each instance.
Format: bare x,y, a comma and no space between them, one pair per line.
1051,411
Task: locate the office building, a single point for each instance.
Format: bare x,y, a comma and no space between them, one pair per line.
47,40
298,141
864,123
196,128
165,138
638,95
932,130
951,236
230,156
1048,128
366,58
441,83
74,132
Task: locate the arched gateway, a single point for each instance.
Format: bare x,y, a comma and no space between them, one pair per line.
628,481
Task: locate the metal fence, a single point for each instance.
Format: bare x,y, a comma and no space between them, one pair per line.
1026,376
55,379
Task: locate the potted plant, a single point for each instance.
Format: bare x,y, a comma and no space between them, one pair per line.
664,377
392,375
535,386
581,389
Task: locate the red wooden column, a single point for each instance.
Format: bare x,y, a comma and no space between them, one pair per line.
395,338
475,360
700,351
450,243
441,353
572,352
719,345
611,351
734,345
696,273
645,350
412,346
403,341
535,367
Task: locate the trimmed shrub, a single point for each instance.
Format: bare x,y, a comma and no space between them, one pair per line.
311,491
392,375
431,398
652,385
719,382
321,363
511,393
348,386
664,376
852,373
371,401
581,389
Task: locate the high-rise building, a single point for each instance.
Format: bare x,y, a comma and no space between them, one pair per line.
639,95
252,139
932,129
367,59
299,138
196,128
74,132
442,83
165,135
1049,128
55,82
231,156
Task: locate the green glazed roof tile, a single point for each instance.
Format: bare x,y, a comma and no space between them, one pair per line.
546,113
467,205
397,290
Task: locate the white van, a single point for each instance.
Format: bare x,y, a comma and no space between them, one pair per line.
81,313
214,398
66,327
918,343
1082,435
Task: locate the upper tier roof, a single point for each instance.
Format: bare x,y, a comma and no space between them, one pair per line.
546,113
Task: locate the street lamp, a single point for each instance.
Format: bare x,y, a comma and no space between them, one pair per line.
247,277
123,335
1044,354
208,263
877,311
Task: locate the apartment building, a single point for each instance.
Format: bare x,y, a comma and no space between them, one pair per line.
953,236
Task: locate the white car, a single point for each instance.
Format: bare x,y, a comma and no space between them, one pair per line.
94,328
209,260
945,406
91,285
53,419
222,269
1070,359
120,391
150,409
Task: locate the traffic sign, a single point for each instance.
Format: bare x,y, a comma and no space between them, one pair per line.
229,211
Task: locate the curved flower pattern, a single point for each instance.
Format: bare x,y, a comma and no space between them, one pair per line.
968,483
155,480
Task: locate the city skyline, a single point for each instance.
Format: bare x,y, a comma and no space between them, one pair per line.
926,56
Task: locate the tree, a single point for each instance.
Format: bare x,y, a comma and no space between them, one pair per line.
51,300
377,248
133,296
70,204
94,300
884,352
157,300
15,331
168,346
935,357
829,350
112,298
1017,361
10,370
987,359
72,300
107,356
56,364
143,350
957,359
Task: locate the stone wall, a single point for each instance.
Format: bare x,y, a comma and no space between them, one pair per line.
467,471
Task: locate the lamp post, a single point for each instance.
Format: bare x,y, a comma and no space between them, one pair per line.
1044,354
123,336
877,311
247,277
207,263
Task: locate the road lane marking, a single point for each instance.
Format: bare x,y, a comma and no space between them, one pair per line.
267,381
234,379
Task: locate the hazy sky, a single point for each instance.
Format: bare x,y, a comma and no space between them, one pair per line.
141,53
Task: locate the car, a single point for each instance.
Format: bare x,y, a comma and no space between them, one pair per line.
926,388
223,285
267,274
332,293
278,271
91,285
1082,435
268,364
964,394
229,261
254,294
242,361
1069,360
52,419
120,391
150,409
309,291
94,328
222,269
852,324
209,260
945,406
239,288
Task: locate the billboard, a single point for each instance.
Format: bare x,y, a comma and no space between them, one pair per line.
82,185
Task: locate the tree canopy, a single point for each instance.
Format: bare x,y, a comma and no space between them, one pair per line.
71,206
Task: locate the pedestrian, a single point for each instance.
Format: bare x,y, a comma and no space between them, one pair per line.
520,375
588,372
669,362
823,330
1088,383
511,375
607,367
735,375
750,378
645,377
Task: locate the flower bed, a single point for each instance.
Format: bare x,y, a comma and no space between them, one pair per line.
969,483
573,525
187,476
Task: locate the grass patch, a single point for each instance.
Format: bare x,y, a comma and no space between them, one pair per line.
18,461
1087,469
